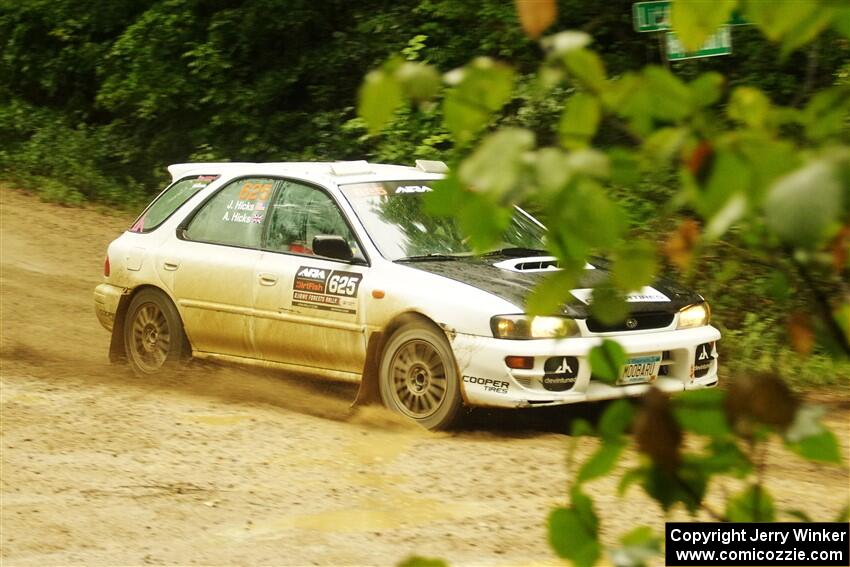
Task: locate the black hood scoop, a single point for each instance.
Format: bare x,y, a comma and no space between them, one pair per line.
513,279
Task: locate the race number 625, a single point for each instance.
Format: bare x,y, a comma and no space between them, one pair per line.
342,285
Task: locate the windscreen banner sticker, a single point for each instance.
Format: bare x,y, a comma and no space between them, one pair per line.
203,180
384,188
329,290
645,295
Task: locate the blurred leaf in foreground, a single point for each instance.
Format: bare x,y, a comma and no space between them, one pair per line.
536,15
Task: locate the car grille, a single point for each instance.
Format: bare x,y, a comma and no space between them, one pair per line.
639,322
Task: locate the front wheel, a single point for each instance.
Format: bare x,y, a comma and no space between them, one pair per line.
418,376
153,333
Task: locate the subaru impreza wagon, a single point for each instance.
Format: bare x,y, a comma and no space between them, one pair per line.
336,270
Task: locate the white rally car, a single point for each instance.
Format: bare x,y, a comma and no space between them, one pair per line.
335,270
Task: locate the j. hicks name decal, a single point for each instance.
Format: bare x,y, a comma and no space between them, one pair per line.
330,290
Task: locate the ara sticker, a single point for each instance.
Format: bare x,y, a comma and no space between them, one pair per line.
330,290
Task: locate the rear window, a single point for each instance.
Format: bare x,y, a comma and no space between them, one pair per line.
169,201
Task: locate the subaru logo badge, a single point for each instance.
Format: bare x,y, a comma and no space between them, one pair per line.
631,323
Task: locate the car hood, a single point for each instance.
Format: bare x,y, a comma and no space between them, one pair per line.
514,286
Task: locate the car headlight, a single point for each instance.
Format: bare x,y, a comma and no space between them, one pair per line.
526,327
694,316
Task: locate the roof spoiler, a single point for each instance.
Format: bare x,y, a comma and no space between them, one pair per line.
431,166
358,167
179,170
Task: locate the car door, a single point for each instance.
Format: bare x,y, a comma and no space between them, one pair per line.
215,261
309,308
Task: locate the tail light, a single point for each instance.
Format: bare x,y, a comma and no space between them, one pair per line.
106,267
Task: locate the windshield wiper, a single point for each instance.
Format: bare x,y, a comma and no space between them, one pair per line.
432,256
517,251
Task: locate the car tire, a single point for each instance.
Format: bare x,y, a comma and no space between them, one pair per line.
418,376
153,333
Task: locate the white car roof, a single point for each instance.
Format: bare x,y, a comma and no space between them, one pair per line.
337,172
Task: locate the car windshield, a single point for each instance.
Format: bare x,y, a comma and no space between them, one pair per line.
394,215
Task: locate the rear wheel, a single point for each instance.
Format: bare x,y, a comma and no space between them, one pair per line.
153,333
418,376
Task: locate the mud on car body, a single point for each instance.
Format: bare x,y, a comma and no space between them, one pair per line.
335,270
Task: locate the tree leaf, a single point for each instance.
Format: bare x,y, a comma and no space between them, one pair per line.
572,538
561,42
417,561
602,461
586,67
615,420
822,448
695,20
380,95
481,88
496,166
638,546
536,15
552,170
688,487
629,478
826,113
419,81
725,457
841,21
579,120
803,207
754,504
606,360
707,88
679,246
702,412
729,178
608,305
750,106
800,333
551,293
635,265
778,17
592,216
808,437
671,99
807,28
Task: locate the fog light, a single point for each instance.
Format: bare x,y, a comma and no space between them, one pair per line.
520,362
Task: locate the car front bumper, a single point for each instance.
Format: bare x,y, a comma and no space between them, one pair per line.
106,300
487,380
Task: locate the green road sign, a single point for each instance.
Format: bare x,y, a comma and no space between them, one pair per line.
651,16
719,43
655,16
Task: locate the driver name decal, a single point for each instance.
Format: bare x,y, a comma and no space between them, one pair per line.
329,290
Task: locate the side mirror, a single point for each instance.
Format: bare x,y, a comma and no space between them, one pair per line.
332,246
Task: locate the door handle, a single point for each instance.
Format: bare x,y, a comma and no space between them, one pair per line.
267,279
170,265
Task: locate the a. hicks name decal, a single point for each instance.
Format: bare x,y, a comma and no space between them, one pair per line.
330,290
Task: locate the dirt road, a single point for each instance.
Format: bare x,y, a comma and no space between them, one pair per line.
226,466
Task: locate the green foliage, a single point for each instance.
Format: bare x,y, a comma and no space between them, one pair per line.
574,531
637,548
754,504
477,92
417,561
607,359
379,97
694,20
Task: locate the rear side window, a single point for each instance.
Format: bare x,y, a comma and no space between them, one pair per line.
234,216
169,201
